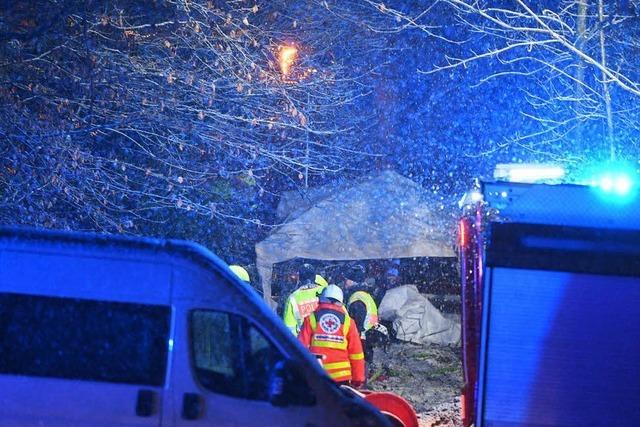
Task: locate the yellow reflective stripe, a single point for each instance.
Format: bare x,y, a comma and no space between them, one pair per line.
312,321
339,374
347,324
329,344
356,356
337,365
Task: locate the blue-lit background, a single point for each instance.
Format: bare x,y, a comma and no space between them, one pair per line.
179,120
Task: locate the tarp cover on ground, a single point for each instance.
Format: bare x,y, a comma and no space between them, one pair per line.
415,319
384,216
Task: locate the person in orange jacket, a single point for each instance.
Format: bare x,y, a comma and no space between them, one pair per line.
331,334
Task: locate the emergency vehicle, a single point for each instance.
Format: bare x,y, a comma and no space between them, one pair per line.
101,330
550,283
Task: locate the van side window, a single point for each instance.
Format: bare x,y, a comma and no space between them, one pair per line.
83,339
230,355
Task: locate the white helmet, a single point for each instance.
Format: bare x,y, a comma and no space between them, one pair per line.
334,292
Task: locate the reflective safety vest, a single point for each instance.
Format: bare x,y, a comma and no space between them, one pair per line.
330,332
330,336
371,318
300,304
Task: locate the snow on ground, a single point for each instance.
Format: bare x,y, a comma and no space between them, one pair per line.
428,376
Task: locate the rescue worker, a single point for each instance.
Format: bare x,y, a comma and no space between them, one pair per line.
361,307
304,300
241,272
331,335
321,281
391,280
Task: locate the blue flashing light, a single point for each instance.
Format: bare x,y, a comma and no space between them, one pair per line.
606,183
622,185
616,182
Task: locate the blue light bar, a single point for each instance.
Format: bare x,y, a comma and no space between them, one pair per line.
616,182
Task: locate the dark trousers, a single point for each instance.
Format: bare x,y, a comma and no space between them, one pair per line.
368,352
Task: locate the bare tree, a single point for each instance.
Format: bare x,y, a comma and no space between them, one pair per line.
115,114
575,59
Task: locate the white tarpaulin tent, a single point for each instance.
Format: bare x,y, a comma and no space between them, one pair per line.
385,216
415,319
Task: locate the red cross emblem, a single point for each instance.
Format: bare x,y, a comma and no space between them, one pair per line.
329,323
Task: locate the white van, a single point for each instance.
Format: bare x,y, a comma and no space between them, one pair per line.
105,330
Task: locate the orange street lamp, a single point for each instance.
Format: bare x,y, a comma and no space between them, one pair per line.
286,57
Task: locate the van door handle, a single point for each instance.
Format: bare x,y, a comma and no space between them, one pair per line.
192,406
145,403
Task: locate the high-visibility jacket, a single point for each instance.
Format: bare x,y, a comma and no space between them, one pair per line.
299,305
330,332
371,318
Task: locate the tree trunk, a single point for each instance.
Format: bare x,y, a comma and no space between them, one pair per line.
605,83
580,67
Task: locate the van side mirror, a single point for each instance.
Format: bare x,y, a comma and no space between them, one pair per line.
287,386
